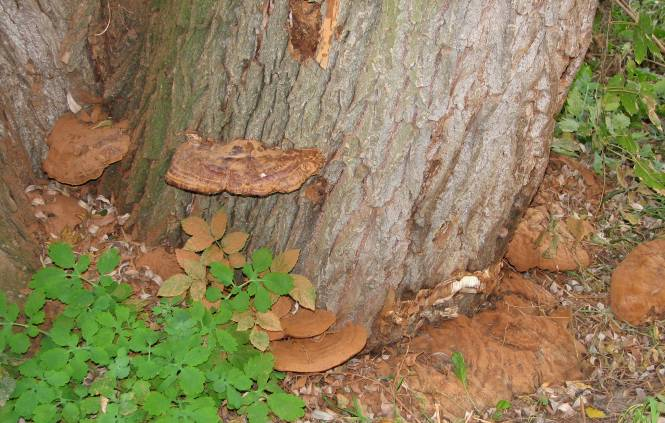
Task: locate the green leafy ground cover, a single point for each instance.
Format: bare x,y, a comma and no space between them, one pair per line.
106,358
614,108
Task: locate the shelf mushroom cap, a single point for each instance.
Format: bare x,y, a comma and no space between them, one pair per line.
79,151
242,167
307,323
311,355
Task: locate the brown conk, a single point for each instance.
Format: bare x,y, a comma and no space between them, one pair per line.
80,151
242,167
310,355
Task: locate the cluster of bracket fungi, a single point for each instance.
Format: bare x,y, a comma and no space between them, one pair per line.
306,344
81,148
241,167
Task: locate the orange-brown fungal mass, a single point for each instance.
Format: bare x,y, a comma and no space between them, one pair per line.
242,167
319,354
79,151
307,323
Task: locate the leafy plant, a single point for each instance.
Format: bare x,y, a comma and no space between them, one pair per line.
105,358
499,408
617,117
609,118
248,294
461,372
649,411
266,277
459,368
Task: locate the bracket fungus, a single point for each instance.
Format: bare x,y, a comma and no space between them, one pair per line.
79,151
310,355
307,323
242,167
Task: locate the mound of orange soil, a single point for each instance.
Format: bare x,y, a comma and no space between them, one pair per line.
637,293
511,350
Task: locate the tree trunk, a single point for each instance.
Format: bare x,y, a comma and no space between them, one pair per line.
434,116
18,251
43,56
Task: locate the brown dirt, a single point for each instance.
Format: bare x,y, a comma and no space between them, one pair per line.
79,152
637,293
511,350
543,242
61,212
307,323
159,261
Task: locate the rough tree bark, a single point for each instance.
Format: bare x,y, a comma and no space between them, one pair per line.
435,118
43,55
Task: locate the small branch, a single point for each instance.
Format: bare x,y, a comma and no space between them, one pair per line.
21,325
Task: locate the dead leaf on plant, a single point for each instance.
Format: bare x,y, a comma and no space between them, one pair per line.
245,320
233,242
198,243
175,285
218,224
259,339
213,254
195,226
268,321
198,289
237,260
182,256
303,291
286,261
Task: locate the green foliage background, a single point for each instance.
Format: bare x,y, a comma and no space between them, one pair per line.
615,105
107,359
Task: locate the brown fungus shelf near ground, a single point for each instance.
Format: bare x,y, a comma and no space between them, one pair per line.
242,167
319,354
307,323
80,151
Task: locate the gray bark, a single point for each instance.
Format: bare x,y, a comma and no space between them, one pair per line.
18,251
435,117
43,55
